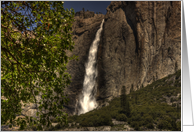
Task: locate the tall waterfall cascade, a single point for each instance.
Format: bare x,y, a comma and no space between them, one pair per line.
87,101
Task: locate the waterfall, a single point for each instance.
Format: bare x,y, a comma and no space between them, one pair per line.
87,102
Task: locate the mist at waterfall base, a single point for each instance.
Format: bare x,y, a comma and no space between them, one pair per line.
87,100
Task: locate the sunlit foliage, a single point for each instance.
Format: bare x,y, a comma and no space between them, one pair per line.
35,37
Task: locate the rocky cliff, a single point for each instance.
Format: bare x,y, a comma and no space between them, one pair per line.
140,43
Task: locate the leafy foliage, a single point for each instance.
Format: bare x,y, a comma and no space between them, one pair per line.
121,117
34,39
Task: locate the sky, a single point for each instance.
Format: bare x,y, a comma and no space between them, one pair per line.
95,6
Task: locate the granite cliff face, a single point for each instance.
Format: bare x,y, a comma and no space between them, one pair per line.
140,43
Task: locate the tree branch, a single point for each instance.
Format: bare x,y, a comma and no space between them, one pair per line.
7,51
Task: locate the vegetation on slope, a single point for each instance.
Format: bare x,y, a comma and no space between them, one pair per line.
154,107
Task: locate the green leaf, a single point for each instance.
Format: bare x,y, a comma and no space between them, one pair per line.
34,62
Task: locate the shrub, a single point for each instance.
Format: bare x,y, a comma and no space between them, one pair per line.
103,119
173,105
34,128
58,126
149,119
178,126
135,125
90,124
84,123
163,124
129,121
114,114
136,117
121,117
150,125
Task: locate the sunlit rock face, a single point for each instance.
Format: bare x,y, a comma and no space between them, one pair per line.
87,100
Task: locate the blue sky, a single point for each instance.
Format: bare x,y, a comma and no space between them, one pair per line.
95,6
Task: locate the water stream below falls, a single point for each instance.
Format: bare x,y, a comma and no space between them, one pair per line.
87,101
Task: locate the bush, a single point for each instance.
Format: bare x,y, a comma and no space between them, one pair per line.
114,114
178,126
136,117
163,124
59,125
150,125
121,117
129,121
102,120
135,125
173,105
84,123
149,119
105,120
34,128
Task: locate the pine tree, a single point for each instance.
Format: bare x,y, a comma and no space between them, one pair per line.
131,88
128,110
123,98
136,98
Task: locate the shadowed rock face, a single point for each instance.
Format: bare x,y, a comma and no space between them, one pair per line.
141,42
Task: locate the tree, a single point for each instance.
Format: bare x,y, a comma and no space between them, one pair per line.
123,98
128,109
125,105
35,37
136,98
131,88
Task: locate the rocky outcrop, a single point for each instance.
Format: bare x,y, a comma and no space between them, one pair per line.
141,43
84,31
85,14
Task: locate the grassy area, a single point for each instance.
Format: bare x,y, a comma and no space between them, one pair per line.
154,107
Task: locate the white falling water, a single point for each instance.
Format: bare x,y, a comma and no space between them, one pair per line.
88,102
